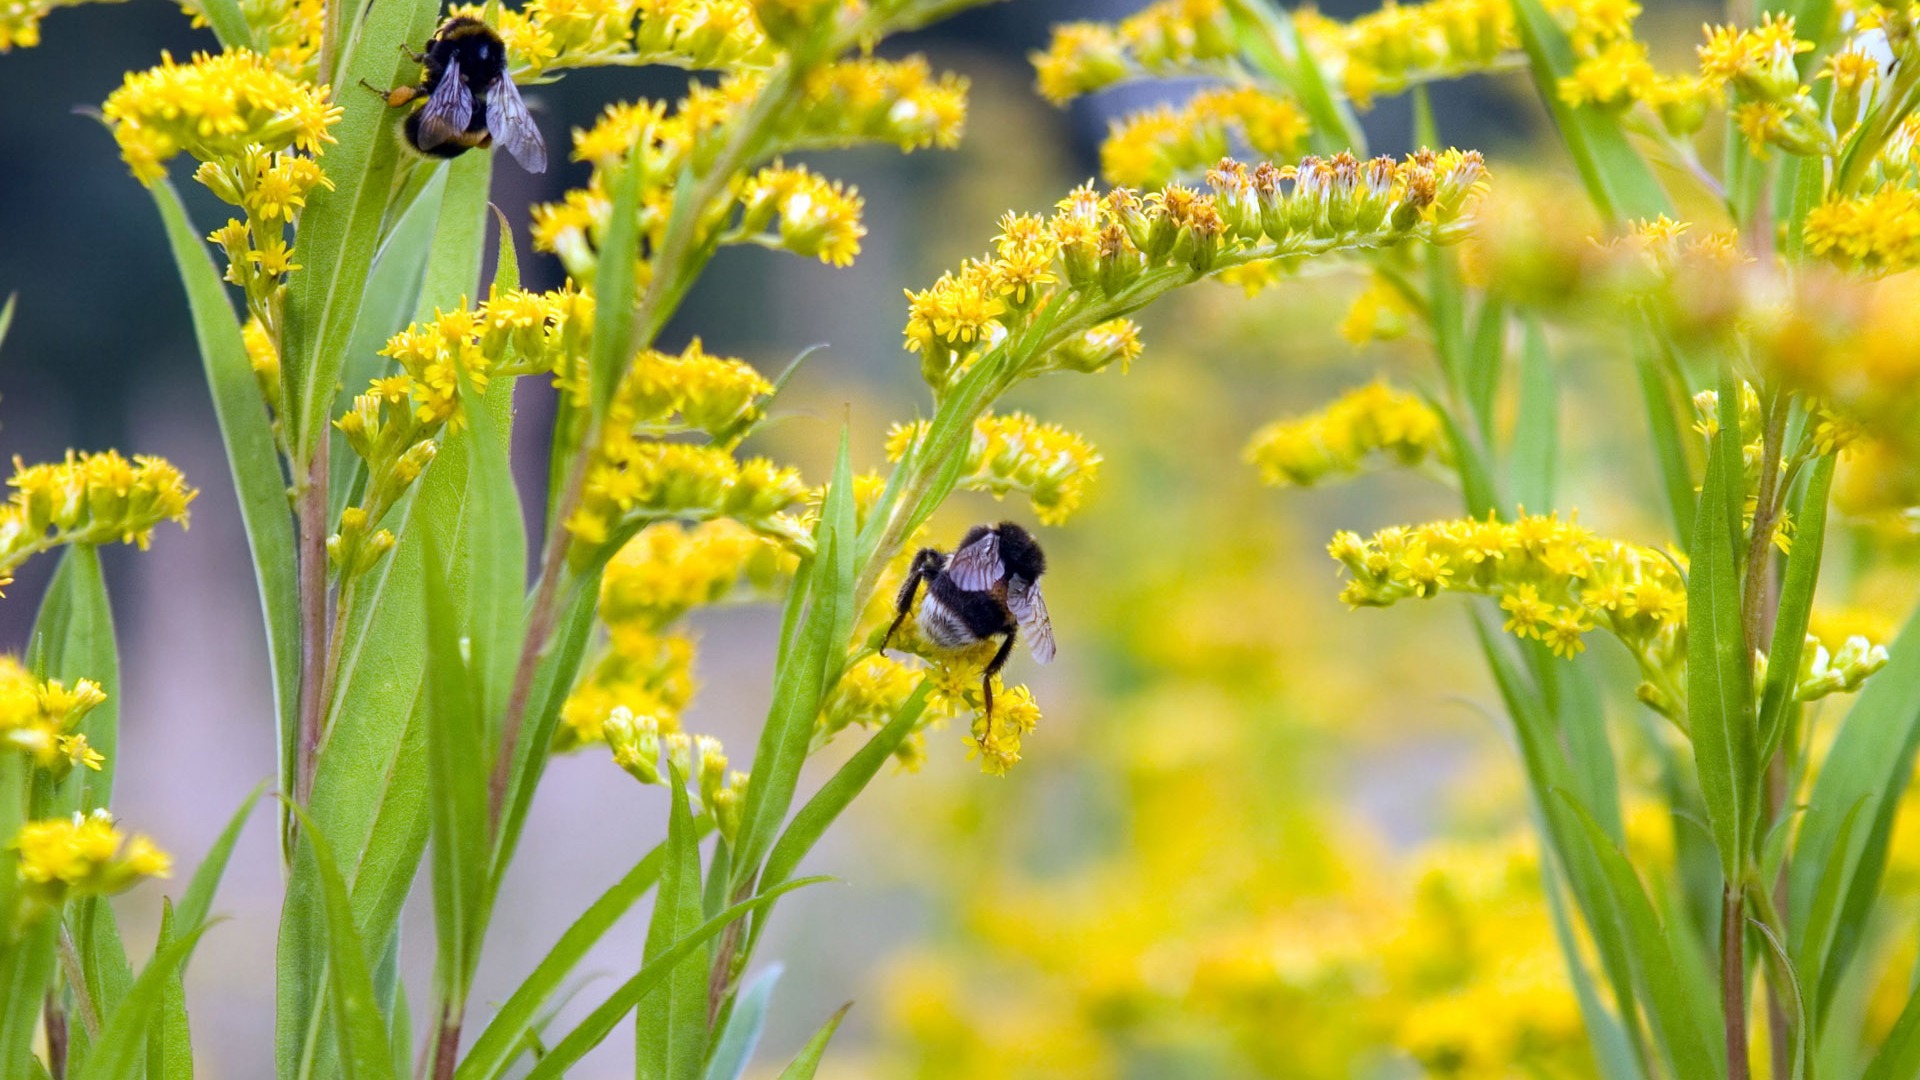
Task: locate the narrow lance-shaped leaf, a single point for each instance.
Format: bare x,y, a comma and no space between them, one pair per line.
1682,1012
734,1050
1719,680
170,1042
365,1053
1533,459
26,972
1796,607
807,1063
457,789
119,1053
800,682
671,1025
613,288
598,1024
1899,1056
497,1045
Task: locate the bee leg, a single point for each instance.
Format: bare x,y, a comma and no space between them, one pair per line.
416,57
986,681
925,564
395,97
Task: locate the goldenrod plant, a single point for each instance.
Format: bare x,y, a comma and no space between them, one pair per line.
1750,200
363,374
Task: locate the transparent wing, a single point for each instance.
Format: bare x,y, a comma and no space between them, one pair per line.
977,567
448,109
1030,611
511,127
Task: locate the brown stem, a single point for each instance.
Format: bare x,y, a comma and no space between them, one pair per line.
56,1020
446,1046
77,980
1733,979
313,623
1757,603
721,981
539,626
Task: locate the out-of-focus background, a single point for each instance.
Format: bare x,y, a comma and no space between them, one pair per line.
1221,856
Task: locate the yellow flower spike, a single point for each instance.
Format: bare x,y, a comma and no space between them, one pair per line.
215,108
668,569
1554,580
1080,58
1013,452
1338,441
1876,233
85,855
1758,62
650,675
89,499
41,719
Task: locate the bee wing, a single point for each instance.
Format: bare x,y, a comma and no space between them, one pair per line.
977,566
1030,611
511,127
448,110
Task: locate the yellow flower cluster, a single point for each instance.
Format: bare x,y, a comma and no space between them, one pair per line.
871,693
1756,66
216,108
842,104
39,718
817,218
1013,452
1876,233
394,425
264,359
1555,582
1171,37
288,31
271,188
634,477
1151,147
1338,440
1095,246
647,674
88,499
1402,45
668,569
637,741
85,855
553,35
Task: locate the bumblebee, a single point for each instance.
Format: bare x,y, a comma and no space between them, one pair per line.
989,586
471,100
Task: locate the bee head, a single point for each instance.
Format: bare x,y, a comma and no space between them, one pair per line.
1020,553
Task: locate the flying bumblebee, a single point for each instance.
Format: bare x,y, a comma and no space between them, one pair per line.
471,100
989,586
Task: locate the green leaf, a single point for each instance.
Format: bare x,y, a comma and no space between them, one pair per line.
6,315
506,265
598,1024
498,1044
26,974
457,790
613,289
1807,190
252,455
824,808
671,1026
197,901
1813,931
1683,1012
73,639
1719,680
340,228
1786,984
1612,1051
103,963
1796,606
1899,1056
1616,176
1533,459
365,1052
119,1053
749,1018
496,558
459,238
170,1043
807,1063
800,683
1476,479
